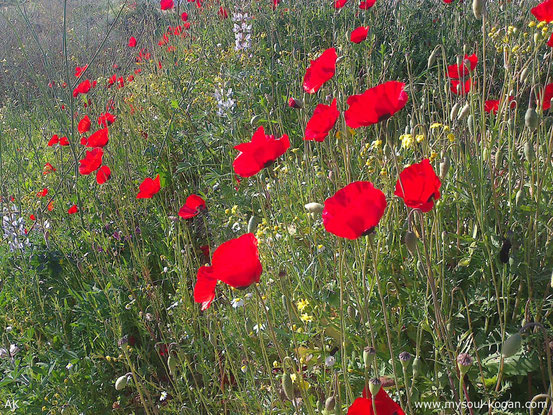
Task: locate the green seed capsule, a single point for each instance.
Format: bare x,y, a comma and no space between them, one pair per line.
444,167
172,364
470,123
518,198
252,224
499,157
524,74
411,242
287,386
485,153
432,58
454,111
464,111
511,345
531,118
478,8
121,382
417,366
528,152
330,403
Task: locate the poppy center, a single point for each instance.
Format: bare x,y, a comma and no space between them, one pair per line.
368,231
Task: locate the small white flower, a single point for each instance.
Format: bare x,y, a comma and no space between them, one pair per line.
257,328
329,361
69,366
163,396
237,302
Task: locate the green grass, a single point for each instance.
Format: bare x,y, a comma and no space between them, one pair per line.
125,269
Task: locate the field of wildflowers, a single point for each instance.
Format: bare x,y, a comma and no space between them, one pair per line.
276,207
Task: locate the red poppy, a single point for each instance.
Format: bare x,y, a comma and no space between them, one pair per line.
50,206
91,162
184,16
103,174
547,96
148,188
48,168
275,4
375,104
543,11
84,125
106,119
459,88
467,66
320,71
383,403
73,209
54,140
235,262
259,153
166,4
32,217
419,186
359,34
42,193
192,207
448,1
492,105
79,70
338,4
98,139
132,42
82,88
323,120
223,13
354,210
294,103
366,4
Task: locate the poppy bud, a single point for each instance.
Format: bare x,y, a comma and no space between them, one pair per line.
444,167
351,312
518,197
295,103
314,207
374,386
499,157
330,403
417,366
411,242
172,365
464,111
470,122
537,37
531,118
524,74
368,354
252,224
528,150
121,382
287,385
511,345
454,111
478,8
432,58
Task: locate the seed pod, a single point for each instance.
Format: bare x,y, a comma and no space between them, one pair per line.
518,197
252,224
432,58
470,123
411,242
499,157
537,37
478,8
417,366
368,354
287,385
531,118
121,382
454,111
464,111
485,153
511,345
528,152
172,364
374,386
524,74
330,403
314,207
444,167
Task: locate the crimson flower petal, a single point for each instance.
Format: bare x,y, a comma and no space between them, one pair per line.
259,153
354,211
193,206
320,71
323,120
166,4
338,4
98,139
419,186
359,34
148,188
73,209
84,125
543,11
366,4
384,405
204,290
375,104
103,174
91,162
468,65
132,42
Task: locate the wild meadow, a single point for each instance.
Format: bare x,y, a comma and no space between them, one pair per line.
276,207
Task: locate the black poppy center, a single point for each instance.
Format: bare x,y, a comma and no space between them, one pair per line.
368,231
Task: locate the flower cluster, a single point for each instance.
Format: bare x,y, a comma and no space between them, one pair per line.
242,31
13,226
